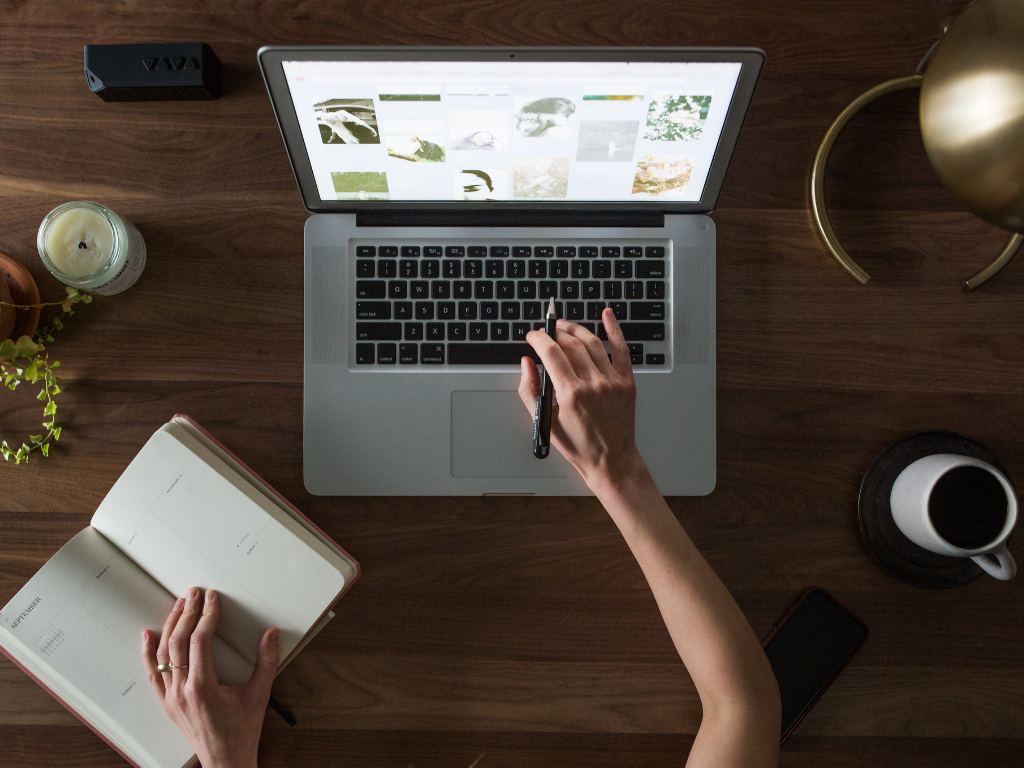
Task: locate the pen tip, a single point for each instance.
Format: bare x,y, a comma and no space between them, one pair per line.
551,306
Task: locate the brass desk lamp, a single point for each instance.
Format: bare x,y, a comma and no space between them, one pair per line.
972,124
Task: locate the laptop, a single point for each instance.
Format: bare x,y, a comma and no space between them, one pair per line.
453,192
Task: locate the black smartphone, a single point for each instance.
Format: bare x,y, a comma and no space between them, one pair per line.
807,648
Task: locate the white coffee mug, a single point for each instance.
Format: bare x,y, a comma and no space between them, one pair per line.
909,502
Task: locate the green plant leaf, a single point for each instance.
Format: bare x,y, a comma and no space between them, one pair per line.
8,351
50,408
45,448
26,347
56,432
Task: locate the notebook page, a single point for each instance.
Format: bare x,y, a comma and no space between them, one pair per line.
186,524
76,626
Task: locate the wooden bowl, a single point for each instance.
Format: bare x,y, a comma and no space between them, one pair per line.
23,290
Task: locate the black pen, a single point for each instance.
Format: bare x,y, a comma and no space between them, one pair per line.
542,410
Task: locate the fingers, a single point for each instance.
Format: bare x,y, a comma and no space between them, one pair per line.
163,654
554,359
593,345
181,635
529,383
201,652
266,666
149,662
577,354
617,341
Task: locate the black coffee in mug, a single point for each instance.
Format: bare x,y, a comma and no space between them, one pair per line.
968,507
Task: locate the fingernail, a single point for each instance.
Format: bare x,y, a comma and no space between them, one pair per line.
178,603
274,634
211,596
193,593
562,323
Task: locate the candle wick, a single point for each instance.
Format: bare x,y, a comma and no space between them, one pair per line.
82,245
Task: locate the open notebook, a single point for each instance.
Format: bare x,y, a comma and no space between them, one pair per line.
184,512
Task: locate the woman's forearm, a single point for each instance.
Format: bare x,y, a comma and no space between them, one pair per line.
710,633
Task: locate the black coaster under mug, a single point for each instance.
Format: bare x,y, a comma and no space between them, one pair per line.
900,556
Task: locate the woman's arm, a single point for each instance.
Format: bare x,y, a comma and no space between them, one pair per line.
593,427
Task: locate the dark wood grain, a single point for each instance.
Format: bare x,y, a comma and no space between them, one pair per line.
507,628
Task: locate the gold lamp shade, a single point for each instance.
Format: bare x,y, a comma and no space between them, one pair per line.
972,124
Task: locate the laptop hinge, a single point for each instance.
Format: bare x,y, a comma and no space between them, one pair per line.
412,218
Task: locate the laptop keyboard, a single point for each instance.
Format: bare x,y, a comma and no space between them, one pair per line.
469,304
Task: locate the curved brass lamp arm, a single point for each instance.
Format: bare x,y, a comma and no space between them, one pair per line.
820,212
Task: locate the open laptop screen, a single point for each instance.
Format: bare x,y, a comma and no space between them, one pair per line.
514,130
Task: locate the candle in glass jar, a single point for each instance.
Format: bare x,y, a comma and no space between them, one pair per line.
88,246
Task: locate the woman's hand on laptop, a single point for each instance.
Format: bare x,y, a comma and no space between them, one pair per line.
221,723
593,417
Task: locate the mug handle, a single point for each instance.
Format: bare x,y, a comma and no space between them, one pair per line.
1004,568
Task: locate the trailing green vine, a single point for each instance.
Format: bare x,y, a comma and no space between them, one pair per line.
25,360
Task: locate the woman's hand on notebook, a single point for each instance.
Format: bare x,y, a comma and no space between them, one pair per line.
592,422
221,723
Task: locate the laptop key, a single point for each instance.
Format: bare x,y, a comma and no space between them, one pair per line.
547,289
619,309
566,251
378,331
441,289
532,310
589,252
655,289
570,289
526,289
433,251
488,310
369,289
519,331
634,289
430,268
623,269
602,269
655,359
544,251
611,252
452,269
632,251
643,331
413,331
506,289
364,268
653,268
476,251
581,269
408,354
424,310
516,269
612,289
387,268
456,331
522,252
432,354
467,310
647,310
478,331
373,310
591,289
499,331
386,354
435,331
559,269
454,252
388,252
398,289
366,250
495,269
483,289
594,310
655,251
403,310
538,269
502,353
509,311
498,252
364,354
410,251
574,310
408,268
419,289
463,289
473,269
446,310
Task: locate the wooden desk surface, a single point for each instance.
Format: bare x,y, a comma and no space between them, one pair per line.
519,629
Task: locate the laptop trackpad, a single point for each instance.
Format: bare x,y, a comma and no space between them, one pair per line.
491,434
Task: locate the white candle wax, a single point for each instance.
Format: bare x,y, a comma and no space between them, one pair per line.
79,242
